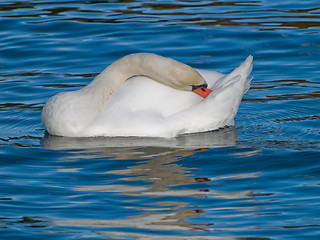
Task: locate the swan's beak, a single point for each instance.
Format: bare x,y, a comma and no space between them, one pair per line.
202,90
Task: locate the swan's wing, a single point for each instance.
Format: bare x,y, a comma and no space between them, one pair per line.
140,108
220,107
160,111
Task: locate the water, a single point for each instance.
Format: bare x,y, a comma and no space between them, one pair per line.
257,180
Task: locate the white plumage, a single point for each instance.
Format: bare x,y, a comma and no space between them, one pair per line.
146,106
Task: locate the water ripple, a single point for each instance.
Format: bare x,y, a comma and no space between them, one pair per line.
257,180
247,13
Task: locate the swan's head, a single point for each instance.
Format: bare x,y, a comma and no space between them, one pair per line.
164,70
202,90
181,76
188,79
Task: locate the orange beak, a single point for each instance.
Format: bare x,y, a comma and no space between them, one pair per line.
202,91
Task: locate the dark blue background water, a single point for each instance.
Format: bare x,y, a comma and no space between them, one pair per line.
257,180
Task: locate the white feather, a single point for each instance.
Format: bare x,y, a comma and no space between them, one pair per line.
145,107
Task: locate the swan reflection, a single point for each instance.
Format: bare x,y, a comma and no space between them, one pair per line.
157,184
220,138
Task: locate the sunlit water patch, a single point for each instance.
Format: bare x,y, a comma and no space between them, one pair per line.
256,180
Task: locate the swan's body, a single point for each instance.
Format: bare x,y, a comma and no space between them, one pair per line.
122,102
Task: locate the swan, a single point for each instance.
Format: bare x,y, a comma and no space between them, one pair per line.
147,95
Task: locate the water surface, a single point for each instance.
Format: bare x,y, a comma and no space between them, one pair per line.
256,180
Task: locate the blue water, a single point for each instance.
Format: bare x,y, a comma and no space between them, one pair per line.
257,180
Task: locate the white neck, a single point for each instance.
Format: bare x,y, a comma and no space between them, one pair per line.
67,114
164,70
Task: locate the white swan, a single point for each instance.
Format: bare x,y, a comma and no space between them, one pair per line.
148,95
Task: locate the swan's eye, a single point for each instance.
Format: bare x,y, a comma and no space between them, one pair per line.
202,87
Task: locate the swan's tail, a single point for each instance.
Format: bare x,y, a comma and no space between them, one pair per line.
220,107
244,71
241,73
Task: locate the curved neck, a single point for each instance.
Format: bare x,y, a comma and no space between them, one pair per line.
164,70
